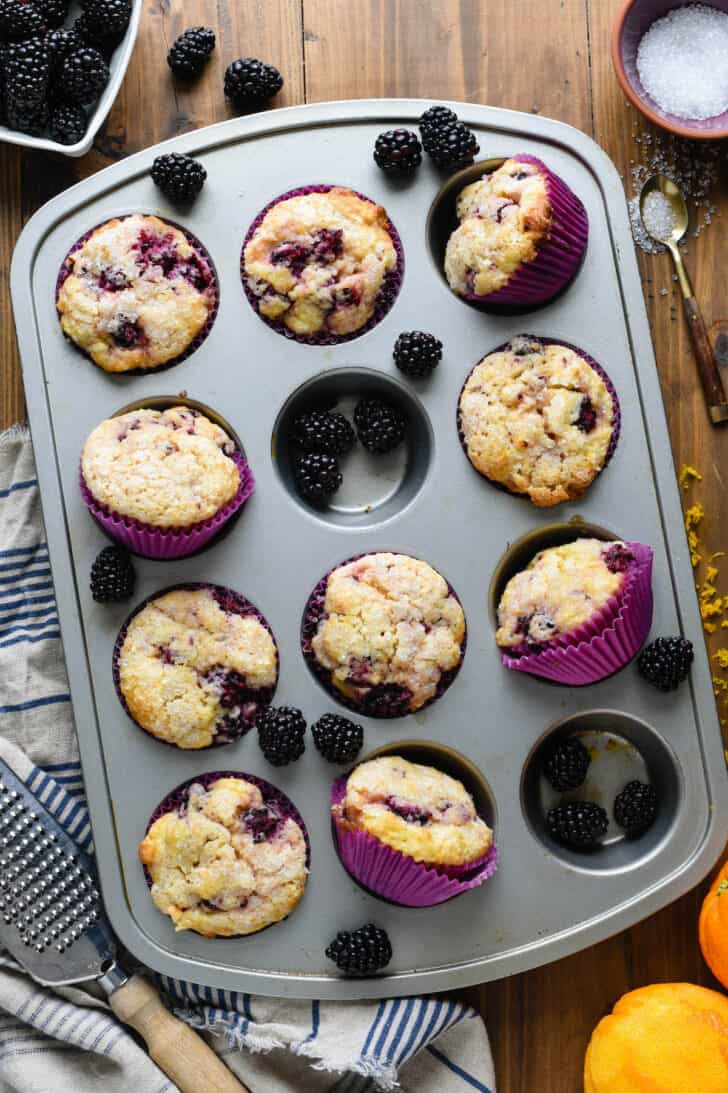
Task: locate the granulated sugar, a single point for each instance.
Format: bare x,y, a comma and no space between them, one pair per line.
682,62
657,214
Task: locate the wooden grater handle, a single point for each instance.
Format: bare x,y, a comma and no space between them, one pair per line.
175,1047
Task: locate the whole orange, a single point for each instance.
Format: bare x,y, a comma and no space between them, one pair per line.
713,927
667,1038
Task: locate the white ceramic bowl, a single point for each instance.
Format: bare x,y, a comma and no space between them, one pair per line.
118,66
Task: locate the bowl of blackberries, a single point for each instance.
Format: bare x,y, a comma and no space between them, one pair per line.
61,66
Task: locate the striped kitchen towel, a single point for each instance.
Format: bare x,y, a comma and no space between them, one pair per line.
67,1040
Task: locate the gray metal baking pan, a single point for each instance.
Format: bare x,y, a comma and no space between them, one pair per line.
543,903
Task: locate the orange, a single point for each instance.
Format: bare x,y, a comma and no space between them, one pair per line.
714,926
668,1038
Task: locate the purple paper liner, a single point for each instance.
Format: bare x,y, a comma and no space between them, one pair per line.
393,875
214,293
272,797
559,256
168,543
606,642
386,700
230,601
616,410
387,294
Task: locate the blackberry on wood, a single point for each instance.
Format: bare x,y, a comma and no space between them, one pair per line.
665,663
281,733
635,807
249,82
112,575
577,823
336,738
417,353
361,952
398,151
191,51
179,177
379,425
323,431
565,767
317,475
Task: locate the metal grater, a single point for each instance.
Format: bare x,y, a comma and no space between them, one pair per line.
52,919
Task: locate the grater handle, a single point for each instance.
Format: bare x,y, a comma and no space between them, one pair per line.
175,1047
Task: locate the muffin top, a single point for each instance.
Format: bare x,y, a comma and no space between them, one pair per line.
136,294
504,217
227,863
193,669
167,468
415,809
560,589
317,262
538,419
389,621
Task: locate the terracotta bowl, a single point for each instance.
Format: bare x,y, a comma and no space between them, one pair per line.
634,18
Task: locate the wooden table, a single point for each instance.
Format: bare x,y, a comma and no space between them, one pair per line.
549,57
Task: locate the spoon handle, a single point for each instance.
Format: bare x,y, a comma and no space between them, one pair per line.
707,368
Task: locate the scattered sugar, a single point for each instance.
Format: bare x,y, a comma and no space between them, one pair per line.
682,62
657,214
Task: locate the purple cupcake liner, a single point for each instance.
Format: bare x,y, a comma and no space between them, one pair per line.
168,543
559,257
616,407
387,294
393,875
255,697
214,293
606,642
385,700
273,798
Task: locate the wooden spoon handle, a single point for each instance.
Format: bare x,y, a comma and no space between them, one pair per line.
175,1047
707,368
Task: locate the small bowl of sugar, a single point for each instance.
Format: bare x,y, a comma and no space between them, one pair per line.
672,63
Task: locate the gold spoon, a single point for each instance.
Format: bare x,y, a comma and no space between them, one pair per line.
710,377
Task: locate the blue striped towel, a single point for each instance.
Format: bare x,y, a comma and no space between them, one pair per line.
53,1041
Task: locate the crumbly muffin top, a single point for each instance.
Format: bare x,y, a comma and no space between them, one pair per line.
537,419
389,620
136,294
317,262
415,809
504,217
167,468
560,589
190,668
228,863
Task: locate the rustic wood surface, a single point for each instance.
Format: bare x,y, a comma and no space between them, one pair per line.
462,49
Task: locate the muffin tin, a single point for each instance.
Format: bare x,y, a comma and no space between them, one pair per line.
544,902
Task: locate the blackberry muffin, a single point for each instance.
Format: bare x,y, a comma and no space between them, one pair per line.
225,857
136,293
384,633
521,237
414,809
194,664
321,263
539,418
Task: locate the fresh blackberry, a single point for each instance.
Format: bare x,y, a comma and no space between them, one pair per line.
112,575
27,119
361,952
665,663
95,37
27,72
437,117
53,12
20,21
317,475
249,82
398,151
379,425
323,431
109,18
417,353
577,823
281,734
565,767
455,146
635,807
83,75
337,739
191,51
179,177
62,42
67,123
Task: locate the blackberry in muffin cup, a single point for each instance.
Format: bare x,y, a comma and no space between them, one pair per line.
539,418
164,482
322,264
521,238
578,612
226,854
410,833
194,664
137,294
384,633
